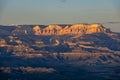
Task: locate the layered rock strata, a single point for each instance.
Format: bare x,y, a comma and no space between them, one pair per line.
70,29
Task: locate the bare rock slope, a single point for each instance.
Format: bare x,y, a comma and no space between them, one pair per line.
70,29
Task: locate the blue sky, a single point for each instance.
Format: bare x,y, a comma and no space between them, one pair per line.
58,11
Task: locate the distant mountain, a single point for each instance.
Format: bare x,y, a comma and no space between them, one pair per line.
86,37
76,38
69,52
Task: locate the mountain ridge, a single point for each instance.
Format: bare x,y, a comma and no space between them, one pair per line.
80,29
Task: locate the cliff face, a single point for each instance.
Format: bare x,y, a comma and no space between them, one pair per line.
73,29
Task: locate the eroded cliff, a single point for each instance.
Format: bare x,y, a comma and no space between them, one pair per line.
70,29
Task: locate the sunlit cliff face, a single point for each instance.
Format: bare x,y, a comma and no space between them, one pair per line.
73,29
37,30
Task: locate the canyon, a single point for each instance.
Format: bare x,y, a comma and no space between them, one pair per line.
62,52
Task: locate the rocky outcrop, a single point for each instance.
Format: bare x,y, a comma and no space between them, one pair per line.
37,30
73,29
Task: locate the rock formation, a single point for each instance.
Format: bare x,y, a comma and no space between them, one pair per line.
73,29
37,30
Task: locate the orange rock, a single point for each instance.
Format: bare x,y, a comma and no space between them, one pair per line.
37,30
73,29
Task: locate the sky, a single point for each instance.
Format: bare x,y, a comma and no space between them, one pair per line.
60,12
